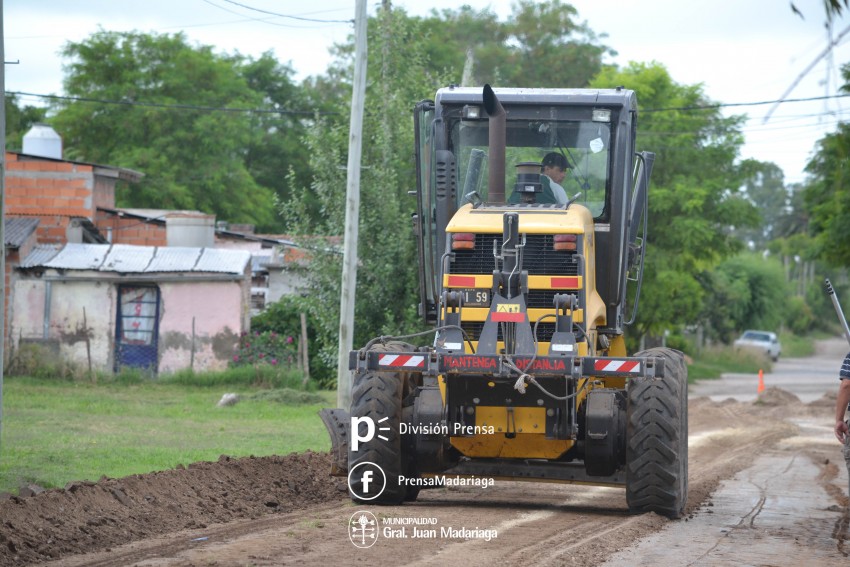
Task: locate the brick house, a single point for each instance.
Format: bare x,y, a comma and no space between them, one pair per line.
63,195
52,203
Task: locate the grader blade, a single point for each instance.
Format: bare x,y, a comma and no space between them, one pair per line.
337,422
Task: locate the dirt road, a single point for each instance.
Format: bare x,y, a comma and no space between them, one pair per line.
767,487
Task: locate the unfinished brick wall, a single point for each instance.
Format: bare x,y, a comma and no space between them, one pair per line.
53,191
130,229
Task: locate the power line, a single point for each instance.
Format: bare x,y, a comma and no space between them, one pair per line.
825,52
266,19
732,104
311,112
287,15
175,106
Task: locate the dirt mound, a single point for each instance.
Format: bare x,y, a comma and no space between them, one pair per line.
774,396
826,401
86,516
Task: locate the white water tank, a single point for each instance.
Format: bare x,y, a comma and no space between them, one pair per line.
192,229
43,141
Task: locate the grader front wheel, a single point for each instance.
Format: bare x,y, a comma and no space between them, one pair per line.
379,396
657,438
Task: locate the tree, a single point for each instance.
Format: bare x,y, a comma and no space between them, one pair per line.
539,45
832,8
386,277
695,195
19,120
549,48
743,292
828,194
764,187
172,116
276,147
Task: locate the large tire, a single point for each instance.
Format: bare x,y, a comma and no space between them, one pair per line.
379,395
657,438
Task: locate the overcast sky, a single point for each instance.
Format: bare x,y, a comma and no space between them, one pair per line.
742,51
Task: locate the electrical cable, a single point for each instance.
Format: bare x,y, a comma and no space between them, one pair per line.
519,385
384,338
286,15
174,106
314,112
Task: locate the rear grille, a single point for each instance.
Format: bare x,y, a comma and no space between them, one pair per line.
541,298
538,257
473,330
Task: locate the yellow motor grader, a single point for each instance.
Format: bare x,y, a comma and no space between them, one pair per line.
527,377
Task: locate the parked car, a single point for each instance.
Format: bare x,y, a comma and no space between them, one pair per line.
761,340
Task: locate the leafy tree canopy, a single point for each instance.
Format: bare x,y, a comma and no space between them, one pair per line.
827,192
19,119
695,195
541,44
764,187
163,123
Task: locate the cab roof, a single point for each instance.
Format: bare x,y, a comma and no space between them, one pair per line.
608,97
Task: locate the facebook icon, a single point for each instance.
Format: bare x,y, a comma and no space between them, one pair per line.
366,481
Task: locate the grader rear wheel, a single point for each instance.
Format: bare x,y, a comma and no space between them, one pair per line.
379,396
657,438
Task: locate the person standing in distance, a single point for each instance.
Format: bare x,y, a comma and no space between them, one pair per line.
842,433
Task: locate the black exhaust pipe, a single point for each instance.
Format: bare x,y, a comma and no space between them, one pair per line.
496,140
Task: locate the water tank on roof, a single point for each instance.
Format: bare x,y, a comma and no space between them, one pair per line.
43,141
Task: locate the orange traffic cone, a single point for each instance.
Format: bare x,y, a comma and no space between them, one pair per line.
761,381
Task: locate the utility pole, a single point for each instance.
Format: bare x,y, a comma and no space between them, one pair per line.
2,210
352,210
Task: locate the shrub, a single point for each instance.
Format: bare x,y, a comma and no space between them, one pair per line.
284,316
798,315
267,347
41,361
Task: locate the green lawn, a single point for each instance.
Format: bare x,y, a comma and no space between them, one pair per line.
55,432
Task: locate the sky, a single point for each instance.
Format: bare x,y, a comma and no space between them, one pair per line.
742,52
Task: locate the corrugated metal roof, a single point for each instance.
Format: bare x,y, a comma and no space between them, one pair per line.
127,259
40,254
174,258
18,229
221,260
79,257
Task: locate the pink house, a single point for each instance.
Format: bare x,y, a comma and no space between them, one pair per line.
112,306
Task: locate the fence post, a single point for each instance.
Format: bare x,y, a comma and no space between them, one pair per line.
305,351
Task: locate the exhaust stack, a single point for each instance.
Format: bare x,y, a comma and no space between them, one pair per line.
496,112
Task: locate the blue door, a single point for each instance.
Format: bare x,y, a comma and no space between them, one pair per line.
137,327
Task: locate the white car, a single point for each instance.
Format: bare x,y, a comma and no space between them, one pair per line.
761,340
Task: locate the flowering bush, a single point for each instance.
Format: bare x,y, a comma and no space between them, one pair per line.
266,348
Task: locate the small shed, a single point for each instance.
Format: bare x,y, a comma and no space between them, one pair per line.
113,306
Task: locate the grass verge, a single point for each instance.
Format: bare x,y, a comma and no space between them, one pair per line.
711,362
55,432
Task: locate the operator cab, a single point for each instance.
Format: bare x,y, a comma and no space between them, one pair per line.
457,164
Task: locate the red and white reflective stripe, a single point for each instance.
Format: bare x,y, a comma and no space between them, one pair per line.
461,281
401,360
617,365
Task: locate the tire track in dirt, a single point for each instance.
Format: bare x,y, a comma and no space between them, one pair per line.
537,523
281,511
